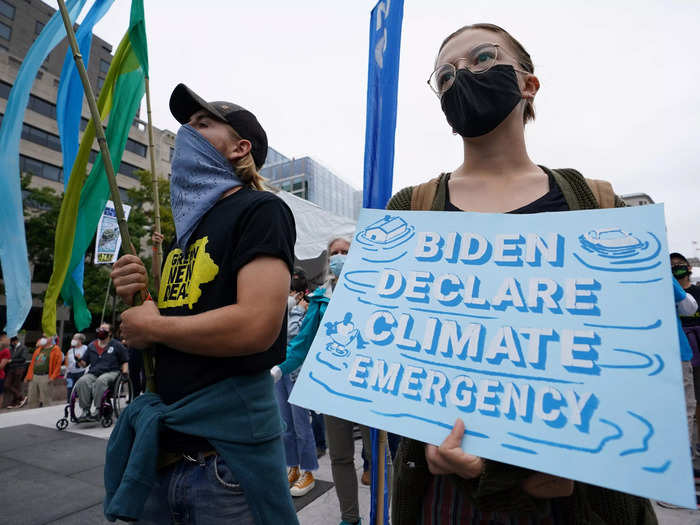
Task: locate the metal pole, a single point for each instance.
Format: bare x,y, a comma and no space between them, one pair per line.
104,305
381,464
148,362
114,311
158,254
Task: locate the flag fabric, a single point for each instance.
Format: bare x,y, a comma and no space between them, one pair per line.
382,90
382,95
69,100
13,242
85,196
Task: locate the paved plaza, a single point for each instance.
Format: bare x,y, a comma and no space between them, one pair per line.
47,476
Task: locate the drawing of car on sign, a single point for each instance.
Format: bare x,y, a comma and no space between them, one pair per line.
386,230
108,235
612,242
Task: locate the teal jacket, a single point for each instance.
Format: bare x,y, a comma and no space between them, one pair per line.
239,417
299,346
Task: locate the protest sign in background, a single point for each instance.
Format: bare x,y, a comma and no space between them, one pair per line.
552,335
109,240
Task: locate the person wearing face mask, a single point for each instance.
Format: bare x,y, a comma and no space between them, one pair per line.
212,426
299,441
5,358
341,444
15,371
484,79
72,362
44,367
690,322
107,358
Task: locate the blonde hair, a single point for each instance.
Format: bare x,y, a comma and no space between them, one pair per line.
246,170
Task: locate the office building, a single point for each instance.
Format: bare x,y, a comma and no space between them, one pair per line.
21,21
40,148
637,199
310,180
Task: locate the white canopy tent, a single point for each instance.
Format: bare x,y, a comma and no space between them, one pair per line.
315,228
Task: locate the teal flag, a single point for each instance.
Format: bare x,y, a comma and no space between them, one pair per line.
13,243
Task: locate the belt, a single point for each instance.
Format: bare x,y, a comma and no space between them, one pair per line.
166,459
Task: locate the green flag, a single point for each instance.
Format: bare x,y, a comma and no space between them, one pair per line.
85,197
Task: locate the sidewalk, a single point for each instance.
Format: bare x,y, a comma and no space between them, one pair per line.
39,470
23,473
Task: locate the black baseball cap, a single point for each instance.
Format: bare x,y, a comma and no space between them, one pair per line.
184,103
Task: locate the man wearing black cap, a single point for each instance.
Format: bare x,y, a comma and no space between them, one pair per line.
216,332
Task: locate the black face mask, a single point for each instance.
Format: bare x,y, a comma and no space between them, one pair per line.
478,103
680,271
102,335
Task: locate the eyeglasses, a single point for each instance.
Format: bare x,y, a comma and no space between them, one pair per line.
479,60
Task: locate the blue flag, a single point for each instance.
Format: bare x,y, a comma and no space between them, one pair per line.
13,243
382,89
69,101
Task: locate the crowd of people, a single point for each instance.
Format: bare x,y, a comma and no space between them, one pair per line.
229,333
89,369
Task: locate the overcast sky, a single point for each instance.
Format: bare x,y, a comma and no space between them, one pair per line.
618,97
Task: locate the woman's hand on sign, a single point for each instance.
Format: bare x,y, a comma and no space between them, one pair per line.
129,277
138,324
541,485
449,458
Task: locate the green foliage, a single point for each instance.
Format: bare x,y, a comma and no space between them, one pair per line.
142,218
41,210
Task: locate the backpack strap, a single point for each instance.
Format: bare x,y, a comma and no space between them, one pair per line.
584,194
423,195
603,192
580,193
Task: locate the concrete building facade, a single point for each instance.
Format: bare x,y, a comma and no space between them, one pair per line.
40,149
311,180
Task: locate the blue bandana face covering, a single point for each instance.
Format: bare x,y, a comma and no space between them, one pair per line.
200,176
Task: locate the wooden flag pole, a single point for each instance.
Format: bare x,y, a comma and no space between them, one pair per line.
107,160
381,466
158,254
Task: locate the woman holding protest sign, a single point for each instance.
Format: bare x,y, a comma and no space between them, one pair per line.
485,81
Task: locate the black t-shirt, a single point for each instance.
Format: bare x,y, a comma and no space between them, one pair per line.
110,360
692,320
553,200
236,230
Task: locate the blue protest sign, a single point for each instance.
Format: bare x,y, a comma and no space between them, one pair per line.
553,336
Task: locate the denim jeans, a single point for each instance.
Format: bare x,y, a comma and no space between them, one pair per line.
197,493
299,443
319,428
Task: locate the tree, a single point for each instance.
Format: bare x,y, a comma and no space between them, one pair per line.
142,219
42,206
41,209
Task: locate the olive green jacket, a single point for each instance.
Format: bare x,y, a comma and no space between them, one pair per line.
498,489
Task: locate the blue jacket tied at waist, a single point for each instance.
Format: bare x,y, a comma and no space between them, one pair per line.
239,417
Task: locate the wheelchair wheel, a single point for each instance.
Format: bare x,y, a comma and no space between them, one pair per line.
106,422
122,395
62,423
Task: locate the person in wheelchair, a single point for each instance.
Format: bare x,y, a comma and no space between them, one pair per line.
107,358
